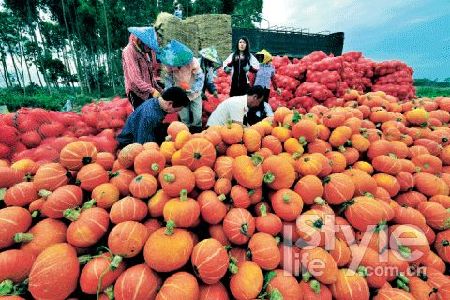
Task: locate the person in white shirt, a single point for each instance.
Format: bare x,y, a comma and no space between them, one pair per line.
235,108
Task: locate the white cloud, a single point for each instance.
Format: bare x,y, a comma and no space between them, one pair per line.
345,15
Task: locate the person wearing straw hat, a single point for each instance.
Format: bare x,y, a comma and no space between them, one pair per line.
140,65
264,77
209,61
183,69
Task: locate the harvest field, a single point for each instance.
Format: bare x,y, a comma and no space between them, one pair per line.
317,201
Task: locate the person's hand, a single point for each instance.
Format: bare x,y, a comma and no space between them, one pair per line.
215,94
246,68
156,94
278,91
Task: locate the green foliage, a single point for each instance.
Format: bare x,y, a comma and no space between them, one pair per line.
14,99
432,91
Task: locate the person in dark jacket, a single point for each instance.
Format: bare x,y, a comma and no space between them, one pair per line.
145,123
239,63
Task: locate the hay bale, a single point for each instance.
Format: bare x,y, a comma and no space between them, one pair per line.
198,31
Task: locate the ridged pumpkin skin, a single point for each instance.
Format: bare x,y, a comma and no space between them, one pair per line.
180,285
21,194
168,249
109,267
264,250
92,175
54,274
239,226
183,211
15,265
285,284
128,238
88,227
247,282
215,291
50,177
328,271
393,293
210,260
349,286
338,188
314,290
198,152
137,282
77,154
364,212
278,172
13,220
248,171
176,178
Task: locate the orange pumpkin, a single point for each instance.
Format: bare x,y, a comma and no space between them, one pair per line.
210,260
143,186
309,188
327,271
232,133
238,226
92,175
284,284
138,282
247,281
149,161
183,211
364,213
128,153
350,285
198,152
248,171
128,238
287,204
49,177
278,173
338,188
77,154
252,139
224,167
176,178
180,285
168,249
263,250
122,179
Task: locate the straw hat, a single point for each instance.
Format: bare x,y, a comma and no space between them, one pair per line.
147,35
175,54
210,53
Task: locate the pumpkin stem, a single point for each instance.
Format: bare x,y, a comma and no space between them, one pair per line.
320,201
345,205
233,268
170,226
315,286
306,276
248,254
263,210
445,243
286,198
268,277
244,229
402,285
88,204
278,240
115,262
35,214
44,193
197,155
72,214
251,192
113,174
296,117
296,155
23,237
6,287
318,223
169,177
257,159
269,177
367,194
183,195
380,226
403,278
86,160
2,194
275,295
222,197
228,123
326,180
302,140
362,271
84,259
404,251
154,167
109,292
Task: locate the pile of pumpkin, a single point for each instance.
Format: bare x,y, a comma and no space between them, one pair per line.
241,213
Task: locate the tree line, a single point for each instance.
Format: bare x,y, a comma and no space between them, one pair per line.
78,43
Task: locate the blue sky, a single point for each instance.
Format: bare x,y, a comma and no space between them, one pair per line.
416,32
